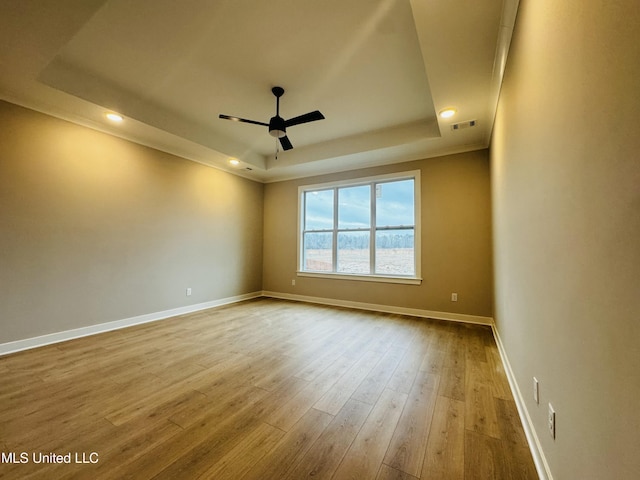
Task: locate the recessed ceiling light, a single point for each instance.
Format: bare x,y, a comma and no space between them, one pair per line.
114,117
234,162
447,112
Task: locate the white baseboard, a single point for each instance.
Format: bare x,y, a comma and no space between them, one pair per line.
40,341
532,438
28,343
415,312
539,459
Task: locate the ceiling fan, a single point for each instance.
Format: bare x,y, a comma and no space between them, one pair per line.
278,125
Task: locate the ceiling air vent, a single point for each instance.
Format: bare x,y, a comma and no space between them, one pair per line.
463,125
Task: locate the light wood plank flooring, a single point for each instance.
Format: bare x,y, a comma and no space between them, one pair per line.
267,389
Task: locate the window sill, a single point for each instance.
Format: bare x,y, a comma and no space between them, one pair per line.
363,278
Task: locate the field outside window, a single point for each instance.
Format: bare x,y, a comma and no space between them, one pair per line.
367,228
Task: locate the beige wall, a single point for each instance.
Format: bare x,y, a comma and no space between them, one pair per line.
95,228
456,240
566,205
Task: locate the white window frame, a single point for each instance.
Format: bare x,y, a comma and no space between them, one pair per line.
414,279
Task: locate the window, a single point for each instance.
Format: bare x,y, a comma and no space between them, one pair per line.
366,229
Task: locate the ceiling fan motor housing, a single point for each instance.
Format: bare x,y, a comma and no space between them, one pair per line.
276,127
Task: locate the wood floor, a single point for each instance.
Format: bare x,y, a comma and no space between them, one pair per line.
266,389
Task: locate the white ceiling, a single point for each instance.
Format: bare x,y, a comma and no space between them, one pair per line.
379,71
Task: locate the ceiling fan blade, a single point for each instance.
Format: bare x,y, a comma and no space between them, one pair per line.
243,120
286,144
306,118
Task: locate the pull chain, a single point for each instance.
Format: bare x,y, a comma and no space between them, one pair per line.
277,148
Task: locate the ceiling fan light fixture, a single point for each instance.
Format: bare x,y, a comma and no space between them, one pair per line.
277,133
448,112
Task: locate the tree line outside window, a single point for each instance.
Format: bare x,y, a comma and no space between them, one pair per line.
364,228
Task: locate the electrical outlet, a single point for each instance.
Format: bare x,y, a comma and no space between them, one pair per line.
293,282
536,390
552,422
188,292
454,297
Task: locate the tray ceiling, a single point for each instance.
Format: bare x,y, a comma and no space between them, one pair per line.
379,71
